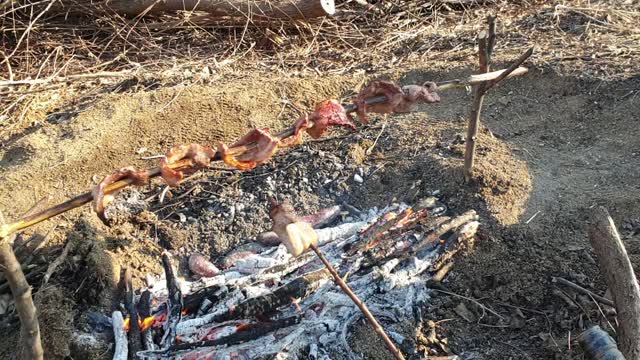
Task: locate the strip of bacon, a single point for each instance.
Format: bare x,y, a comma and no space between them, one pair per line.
200,155
265,146
399,99
100,200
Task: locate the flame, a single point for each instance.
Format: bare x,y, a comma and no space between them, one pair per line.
242,327
406,216
147,323
389,216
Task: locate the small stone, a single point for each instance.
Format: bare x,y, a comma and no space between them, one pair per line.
182,217
357,178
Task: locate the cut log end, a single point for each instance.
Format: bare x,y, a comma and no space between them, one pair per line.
329,7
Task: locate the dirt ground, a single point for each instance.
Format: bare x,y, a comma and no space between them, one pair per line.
553,144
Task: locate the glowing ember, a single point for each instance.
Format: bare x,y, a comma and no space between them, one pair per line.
147,323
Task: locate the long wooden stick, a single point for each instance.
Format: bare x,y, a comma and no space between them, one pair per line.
619,274
27,221
376,326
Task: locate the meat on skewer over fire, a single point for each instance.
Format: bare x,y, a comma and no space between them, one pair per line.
259,145
399,99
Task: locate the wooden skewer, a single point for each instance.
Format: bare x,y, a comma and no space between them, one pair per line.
27,221
365,310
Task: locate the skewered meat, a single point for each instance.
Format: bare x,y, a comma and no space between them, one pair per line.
392,91
201,266
295,234
425,93
265,146
201,156
100,200
327,113
399,100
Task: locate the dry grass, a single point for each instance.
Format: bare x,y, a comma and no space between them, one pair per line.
53,62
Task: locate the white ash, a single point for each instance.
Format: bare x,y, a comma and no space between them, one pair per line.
393,291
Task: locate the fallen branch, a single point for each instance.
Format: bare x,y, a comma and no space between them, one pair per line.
30,345
180,165
372,320
580,289
619,275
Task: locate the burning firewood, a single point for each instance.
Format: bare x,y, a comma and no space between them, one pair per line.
120,336
292,304
174,302
135,342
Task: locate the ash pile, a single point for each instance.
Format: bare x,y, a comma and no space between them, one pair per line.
268,304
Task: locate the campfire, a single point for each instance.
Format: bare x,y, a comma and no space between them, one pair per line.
269,303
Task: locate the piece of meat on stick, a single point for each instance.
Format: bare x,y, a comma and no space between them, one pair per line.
327,113
100,200
393,93
265,145
294,233
425,93
399,99
199,154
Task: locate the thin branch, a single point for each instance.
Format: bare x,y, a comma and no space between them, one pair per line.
376,326
580,289
58,261
510,69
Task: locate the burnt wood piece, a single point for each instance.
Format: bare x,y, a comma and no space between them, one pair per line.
144,310
298,288
618,272
135,343
174,315
247,333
